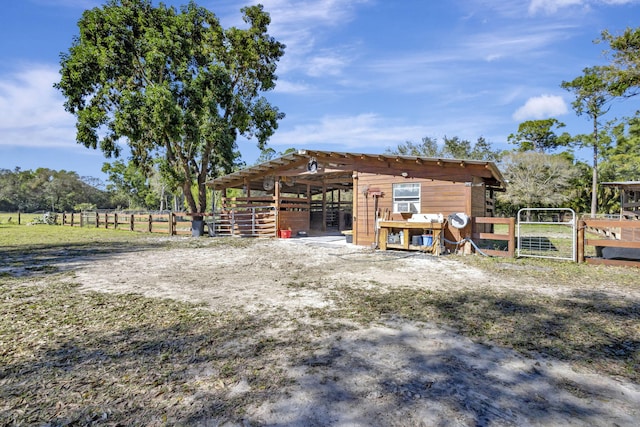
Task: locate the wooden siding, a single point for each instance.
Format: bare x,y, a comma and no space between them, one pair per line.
436,197
294,220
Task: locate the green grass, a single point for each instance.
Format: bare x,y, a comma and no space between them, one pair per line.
12,218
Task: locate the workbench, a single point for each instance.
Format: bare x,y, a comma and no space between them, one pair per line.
410,229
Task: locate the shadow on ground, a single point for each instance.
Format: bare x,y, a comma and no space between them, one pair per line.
34,260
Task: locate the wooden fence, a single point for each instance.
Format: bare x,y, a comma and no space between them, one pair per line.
246,221
166,223
594,235
482,237
622,236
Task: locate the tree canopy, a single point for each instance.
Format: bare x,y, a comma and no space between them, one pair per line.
624,72
453,148
174,85
47,189
540,135
536,179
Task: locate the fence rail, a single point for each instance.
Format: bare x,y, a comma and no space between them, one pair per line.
482,237
616,242
164,223
254,221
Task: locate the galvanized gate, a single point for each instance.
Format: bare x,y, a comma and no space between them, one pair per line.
547,233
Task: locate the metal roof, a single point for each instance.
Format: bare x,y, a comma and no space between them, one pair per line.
337,167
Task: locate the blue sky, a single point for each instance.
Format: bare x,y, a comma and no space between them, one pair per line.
357,75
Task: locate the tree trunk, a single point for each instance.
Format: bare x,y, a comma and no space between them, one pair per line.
594,180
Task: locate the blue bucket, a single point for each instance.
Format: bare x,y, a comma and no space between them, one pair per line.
427,240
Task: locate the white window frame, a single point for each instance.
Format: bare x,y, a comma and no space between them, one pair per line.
406,203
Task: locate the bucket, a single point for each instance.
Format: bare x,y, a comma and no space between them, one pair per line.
416,240
197,228
427,240
285,234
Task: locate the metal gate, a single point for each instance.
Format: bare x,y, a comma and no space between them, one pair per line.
547,233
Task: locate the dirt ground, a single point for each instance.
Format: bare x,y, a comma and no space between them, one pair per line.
392,372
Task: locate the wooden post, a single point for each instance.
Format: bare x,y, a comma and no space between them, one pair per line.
97,220
276,194
115,221
172,223
580,242
324,205
150,226
81,220
511,246
354,208
72,218
247,185
132,223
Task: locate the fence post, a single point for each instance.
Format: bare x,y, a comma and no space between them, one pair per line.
81,219
115,221
172,224
150,223
512,238
131,222
580,244
72,218
64,218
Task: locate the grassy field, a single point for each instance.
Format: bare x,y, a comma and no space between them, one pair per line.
12,217
72,357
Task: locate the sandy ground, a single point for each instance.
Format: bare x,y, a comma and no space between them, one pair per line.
396,373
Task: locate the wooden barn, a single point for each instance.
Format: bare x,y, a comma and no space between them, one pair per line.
365,196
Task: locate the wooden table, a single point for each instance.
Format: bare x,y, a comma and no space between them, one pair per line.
409,229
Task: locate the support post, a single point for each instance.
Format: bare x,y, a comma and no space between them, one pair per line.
580,243
276,195
354,207
511,245
324,205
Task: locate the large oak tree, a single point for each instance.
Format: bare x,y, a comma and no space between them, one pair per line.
173,85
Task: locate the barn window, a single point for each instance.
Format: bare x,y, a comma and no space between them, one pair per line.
406,198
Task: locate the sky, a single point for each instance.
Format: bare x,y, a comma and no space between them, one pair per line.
357,75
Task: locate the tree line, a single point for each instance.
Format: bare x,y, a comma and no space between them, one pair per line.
49,190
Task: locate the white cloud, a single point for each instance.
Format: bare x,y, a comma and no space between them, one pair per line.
362,132
374,133
541,107
552,6
286,86
301,26
326,66
31,110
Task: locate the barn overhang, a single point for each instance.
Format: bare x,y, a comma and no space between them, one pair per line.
316,171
